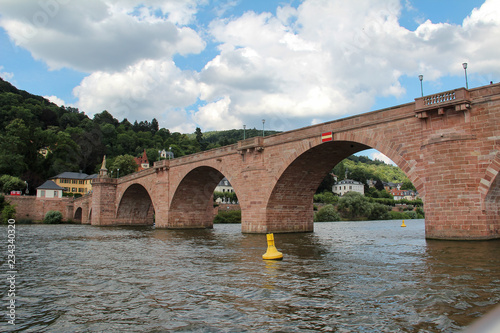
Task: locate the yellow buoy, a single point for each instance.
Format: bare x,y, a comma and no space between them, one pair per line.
271,253
403,225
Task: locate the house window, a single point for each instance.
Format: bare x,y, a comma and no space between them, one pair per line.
73,189
55,194
43,193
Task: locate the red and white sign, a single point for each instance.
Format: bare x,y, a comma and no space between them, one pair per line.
15,192
328,136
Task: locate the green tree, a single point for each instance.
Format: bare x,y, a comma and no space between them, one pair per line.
154,126
125,163
407,185
326,197
379,212
10,183
354,205
327,213
152,155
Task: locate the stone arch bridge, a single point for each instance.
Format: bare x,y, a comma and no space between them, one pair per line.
447,144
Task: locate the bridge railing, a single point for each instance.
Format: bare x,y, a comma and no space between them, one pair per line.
256,142
457,98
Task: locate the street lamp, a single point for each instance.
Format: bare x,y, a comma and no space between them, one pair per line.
27,188
464,65
118,176
421,77
244,132
170,153
263,121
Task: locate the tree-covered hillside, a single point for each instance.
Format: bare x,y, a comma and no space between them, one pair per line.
75,142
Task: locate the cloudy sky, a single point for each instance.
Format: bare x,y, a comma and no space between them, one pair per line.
219,64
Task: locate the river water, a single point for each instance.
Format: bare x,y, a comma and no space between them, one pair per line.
344,277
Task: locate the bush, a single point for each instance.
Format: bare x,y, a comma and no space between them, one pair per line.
327,213
420,212
8,212
354,205
379,212
395,215
229,216
326,197
410,215
53,217
11,183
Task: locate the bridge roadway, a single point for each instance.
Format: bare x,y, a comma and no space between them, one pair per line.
447,144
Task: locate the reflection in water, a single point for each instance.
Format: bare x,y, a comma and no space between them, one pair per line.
352,276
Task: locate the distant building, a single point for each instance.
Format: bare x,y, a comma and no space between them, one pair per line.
389,186
49,189
403,194
142,162
166,154
74,182
224,186
348,185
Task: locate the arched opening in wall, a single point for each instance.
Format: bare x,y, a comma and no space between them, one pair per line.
192,204
135,207
492,201
78,215
291,201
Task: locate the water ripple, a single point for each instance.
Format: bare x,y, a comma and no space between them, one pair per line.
344,277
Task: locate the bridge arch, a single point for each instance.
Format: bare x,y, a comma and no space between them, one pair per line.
78,215
290,201
192,201
135,207
489,187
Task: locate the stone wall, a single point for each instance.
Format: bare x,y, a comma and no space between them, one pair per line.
33,208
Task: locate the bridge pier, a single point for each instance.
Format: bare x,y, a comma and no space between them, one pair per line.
103,201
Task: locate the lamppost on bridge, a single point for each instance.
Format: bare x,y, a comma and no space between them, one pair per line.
421,78
464,65
263,121
244,132
118,176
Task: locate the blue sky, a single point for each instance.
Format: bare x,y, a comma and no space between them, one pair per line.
221,64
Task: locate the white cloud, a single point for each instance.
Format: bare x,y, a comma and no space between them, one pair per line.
100,35
6,75
55,100
381,157
328,59
149,89
320,61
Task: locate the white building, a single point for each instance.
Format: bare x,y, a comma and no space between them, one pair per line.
348,185
224,186
49,189
166,154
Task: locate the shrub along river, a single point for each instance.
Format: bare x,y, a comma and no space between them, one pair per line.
344,277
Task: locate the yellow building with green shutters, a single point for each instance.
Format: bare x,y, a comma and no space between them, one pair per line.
74,182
